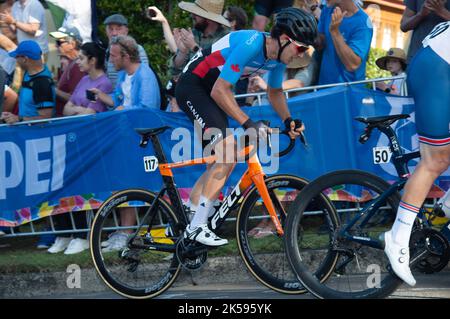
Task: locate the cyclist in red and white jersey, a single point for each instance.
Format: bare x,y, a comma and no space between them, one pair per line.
204,93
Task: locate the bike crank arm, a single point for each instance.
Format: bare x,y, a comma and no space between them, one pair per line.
168,248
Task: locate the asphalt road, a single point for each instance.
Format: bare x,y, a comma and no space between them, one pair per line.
428,286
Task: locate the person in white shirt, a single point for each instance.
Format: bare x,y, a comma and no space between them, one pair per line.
27,18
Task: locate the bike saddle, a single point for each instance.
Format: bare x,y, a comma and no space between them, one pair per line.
151,131
381,120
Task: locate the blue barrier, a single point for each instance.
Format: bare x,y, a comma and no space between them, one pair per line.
75,163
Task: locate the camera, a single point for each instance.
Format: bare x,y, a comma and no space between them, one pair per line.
151,13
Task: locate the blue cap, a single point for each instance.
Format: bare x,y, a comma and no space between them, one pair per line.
28,48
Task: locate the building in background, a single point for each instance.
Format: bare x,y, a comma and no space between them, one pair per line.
386,16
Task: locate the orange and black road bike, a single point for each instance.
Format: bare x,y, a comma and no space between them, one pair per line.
155,250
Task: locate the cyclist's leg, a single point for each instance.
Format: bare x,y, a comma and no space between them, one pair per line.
213,182
196,102
428,79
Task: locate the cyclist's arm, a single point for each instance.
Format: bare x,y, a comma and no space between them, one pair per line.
275,91
222,94
278,101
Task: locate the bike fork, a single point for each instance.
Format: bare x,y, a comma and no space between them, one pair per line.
261,186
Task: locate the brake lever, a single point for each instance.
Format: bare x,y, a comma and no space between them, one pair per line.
303,140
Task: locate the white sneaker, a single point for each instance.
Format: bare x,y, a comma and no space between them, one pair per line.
116,242
77,245
60,245
204,235
399,259
110,239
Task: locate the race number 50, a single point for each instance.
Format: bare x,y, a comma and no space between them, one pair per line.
381,155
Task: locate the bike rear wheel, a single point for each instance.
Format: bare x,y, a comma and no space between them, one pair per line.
147,265
361,271
265,255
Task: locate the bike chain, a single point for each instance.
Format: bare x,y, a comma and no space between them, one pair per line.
189,263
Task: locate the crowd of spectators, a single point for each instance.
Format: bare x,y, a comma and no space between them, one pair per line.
95,77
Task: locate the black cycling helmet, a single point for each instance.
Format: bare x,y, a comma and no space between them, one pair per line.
298,24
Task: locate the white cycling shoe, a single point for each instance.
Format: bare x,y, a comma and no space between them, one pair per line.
204,235
399,259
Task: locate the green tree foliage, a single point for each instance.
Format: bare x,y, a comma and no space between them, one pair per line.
372,70
148,33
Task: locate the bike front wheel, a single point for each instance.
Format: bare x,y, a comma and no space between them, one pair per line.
259,244
135,261
362,269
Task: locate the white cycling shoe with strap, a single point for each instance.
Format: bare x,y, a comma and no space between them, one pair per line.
399,259
204,235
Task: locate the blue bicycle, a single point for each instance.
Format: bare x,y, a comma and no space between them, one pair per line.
358,207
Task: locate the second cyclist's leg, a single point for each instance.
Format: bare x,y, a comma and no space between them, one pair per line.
428,80
435,161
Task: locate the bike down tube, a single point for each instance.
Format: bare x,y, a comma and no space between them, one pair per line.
369,212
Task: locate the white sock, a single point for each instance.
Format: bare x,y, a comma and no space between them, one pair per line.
192,206
201,215
401,230
215,205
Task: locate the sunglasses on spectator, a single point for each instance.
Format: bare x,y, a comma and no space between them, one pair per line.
301,47
60,42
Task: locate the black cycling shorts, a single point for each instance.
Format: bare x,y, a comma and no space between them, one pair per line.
195,100
268,7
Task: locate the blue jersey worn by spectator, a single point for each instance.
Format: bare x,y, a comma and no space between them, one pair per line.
37,92
144,91
357,31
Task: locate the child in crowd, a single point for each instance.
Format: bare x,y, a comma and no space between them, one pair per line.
394,62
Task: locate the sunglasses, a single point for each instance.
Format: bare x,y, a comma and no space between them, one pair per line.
301,47
60,42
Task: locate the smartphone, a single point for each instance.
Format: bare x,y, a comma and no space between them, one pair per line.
151,13
91,96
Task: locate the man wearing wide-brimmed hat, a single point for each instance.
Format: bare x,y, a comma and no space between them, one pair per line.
209,26
395,62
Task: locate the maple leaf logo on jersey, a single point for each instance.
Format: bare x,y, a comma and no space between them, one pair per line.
235,68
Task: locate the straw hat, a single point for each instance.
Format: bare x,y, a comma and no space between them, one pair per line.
208,9
392,53
301,62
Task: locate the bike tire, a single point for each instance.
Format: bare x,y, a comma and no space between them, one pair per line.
148,290
261,264
320,289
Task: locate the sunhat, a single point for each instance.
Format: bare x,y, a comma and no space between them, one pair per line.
208,9
392,53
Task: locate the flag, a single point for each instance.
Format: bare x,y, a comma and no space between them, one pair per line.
80,14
